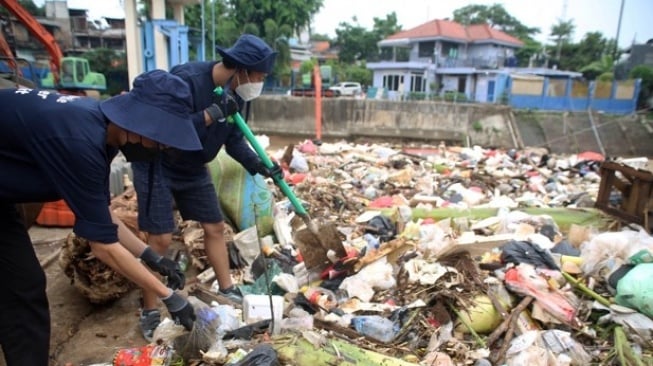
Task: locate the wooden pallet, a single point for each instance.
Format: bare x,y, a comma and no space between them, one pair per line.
636,189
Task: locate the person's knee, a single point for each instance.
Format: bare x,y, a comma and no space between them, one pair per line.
213,230
159,242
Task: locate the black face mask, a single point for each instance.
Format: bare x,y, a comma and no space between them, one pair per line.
135,151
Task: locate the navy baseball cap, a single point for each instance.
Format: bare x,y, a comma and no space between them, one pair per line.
158,108
250,53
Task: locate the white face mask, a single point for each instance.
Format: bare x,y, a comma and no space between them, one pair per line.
249,90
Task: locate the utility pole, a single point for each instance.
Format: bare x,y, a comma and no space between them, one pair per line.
202,57
213,30
616,48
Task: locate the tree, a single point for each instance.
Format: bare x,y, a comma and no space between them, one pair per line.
591,48
562,33
599,68
383,28
495,16
113,65
320,37
295,13
646,88
29,6
357,43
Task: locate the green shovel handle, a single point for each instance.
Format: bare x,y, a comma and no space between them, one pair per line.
277,178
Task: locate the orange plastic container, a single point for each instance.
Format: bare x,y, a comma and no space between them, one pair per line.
56,214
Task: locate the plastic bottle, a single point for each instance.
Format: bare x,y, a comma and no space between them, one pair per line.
321,297
182,261
375,327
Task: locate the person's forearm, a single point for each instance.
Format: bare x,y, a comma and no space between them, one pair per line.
120,260
127,238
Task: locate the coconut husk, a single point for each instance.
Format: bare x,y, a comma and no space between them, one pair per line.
94,279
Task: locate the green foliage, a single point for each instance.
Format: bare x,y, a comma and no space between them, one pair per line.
358,73
320,37
357,43
477,126
531,47
451,96
592,47
497,17
113,65
606,76
604,65
295,13
646,88
28,5
561,33
307,66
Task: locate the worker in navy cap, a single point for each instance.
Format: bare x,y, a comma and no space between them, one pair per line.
55,146
185,179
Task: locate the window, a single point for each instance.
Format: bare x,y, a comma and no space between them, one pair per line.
450,49
417,83
426,49
392,82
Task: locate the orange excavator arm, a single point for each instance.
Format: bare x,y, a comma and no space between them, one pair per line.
5,51
38,31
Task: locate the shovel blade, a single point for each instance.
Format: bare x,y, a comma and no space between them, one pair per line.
314,245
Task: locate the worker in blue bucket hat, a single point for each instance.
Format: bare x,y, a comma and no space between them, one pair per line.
184,176
55,146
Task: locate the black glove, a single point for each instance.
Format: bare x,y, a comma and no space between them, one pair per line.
166,267
222,107
180,310
274,171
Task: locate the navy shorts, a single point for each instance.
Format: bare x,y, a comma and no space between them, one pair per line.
195,197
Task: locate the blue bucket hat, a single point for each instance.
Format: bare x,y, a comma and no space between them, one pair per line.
158,108
250,53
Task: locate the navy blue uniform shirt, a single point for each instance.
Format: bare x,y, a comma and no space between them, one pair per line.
182,164
53,146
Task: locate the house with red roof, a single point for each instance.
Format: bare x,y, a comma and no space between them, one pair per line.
445,56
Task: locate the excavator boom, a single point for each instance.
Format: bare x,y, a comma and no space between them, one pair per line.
38,31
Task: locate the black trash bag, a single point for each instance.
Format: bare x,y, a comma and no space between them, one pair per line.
382,227
565,248
525,252
262,355
236,261
284,261
248,331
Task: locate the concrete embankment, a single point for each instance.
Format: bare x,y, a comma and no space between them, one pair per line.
432,122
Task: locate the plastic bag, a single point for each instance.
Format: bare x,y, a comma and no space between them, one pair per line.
382,227
204,333
261,355
635,289
524,252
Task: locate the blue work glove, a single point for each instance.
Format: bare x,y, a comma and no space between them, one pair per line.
274,171
181,311
166,267
221,109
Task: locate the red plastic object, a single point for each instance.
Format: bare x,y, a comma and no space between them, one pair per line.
56,214
590,156
382,202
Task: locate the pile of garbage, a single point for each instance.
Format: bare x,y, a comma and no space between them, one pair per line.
451,256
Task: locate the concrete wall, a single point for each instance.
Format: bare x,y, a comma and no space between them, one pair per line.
457,123
576,132
351,118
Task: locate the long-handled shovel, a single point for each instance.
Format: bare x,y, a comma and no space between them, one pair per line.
318,238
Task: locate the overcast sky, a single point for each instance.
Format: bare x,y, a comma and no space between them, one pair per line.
588,15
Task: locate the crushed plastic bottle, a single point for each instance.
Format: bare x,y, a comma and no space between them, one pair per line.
376,327
182,261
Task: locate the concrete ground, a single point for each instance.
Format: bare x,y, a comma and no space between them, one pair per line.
82,333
